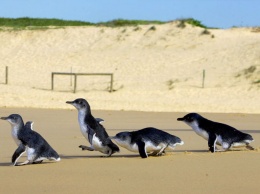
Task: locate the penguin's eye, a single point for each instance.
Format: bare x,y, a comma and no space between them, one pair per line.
190,119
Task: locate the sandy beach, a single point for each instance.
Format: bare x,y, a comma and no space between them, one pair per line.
189,169
158,73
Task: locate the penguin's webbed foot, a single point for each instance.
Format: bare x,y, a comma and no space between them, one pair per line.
155,153
212,149
109,153
23,163
86,148
219,150
37,162
249,147
161,153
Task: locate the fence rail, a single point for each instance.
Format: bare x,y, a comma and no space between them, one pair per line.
81,74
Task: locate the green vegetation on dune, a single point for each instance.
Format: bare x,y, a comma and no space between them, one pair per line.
194,22
122,22
25,22
37,23
43,23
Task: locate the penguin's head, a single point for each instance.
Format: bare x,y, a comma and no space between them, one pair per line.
123,139
14,119
79,104
190,118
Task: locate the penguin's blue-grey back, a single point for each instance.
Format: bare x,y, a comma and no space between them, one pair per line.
34,140
102,134
226,131
155,135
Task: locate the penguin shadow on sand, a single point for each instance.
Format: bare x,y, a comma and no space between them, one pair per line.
191,151
5,164
69,157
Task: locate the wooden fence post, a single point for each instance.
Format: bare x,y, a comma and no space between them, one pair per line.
75,83
111,84
52,81
71,76
6,75
203,78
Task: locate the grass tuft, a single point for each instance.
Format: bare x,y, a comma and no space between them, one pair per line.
43,23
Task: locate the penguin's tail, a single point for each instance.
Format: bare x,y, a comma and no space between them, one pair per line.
181,142
248,137
178,141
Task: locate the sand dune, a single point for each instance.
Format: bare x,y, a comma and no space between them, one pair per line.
155,67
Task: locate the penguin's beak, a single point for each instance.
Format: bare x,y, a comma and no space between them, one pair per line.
4,118
69,102
111,137
180,119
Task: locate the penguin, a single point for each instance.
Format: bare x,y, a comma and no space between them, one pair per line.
92,129
217,133
147,141
36,146
21,147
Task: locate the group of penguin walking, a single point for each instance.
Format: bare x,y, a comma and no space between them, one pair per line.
146,142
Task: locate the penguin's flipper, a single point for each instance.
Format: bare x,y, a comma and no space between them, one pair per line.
86,148
99,120
91,133
141,148
212,142
18,153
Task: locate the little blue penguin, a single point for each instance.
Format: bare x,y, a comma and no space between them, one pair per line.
92,129
217,133
146,141
36,146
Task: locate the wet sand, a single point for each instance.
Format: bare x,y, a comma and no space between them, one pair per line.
190,169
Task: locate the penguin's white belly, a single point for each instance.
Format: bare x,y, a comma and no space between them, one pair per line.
97,145
84,131
128,146
150,147
205,135
238,144
30,153
200,131
14,135
220,141
17,141
82,124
